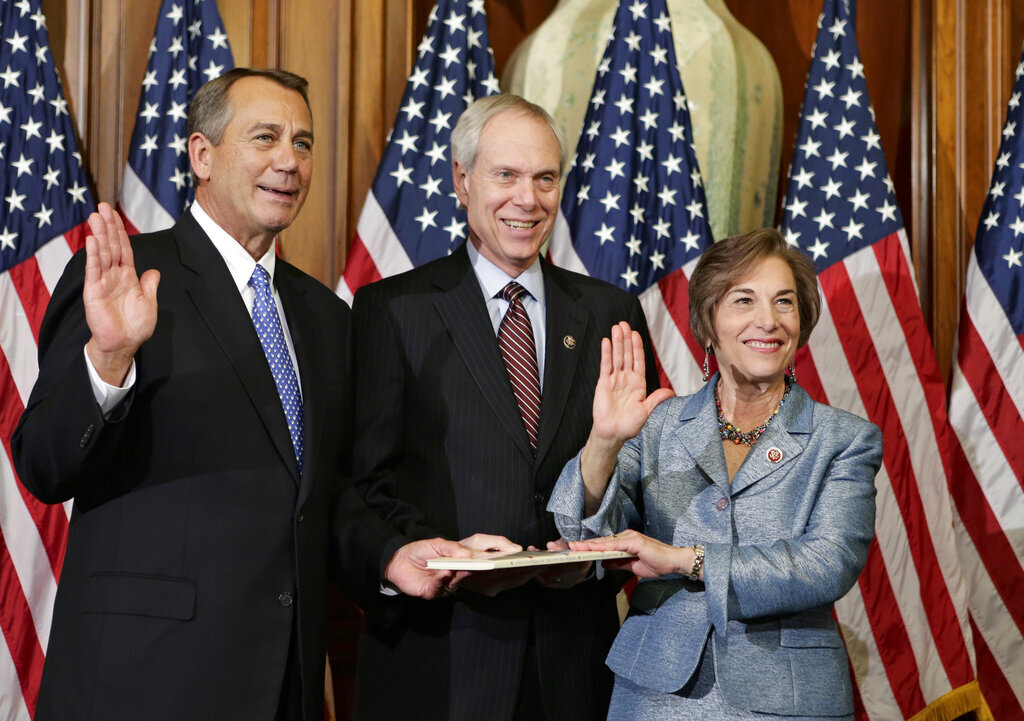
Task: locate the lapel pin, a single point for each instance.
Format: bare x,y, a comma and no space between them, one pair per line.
569,342
774,454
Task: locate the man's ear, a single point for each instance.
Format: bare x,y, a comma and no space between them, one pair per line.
459,176
199,147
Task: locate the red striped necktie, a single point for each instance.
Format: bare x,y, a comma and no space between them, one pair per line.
515,339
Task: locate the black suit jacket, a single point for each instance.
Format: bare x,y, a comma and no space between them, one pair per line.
195,547
441,450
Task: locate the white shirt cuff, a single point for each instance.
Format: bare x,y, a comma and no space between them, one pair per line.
106,395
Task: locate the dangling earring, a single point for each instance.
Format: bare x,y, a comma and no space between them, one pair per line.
707,374
792,372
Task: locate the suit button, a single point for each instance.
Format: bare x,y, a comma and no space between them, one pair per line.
722,504
300,518
539,497
87,436
285,599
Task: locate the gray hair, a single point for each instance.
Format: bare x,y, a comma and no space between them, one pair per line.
466,135
211,111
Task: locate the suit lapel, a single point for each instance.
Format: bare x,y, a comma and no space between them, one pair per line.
699,435
565,319
215,297
787,435
463,311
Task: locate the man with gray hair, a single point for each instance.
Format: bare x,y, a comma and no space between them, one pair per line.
474,381
193,397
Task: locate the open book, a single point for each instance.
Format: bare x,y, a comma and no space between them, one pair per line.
490,560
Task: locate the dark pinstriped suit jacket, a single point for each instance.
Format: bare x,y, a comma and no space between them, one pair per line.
441,450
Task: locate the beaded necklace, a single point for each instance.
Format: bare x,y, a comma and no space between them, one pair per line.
729,432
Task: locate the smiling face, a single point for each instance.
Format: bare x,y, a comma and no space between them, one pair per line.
758,325
254,182
511,194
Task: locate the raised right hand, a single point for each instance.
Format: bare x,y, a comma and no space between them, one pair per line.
120,308
621,403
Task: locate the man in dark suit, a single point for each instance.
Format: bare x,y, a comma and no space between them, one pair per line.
465,414
198,415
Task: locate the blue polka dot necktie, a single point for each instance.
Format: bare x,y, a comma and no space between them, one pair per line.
271,335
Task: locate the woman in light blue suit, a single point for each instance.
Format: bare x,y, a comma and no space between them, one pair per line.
744,538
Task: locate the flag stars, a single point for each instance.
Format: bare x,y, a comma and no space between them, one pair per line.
803,178
663,23
824,89
23,165
645,151
213,71
634,245
1015,99
649,119
7,239
810,148
594,129
691,240
402,175
831,188
620,136
445,88
60,106
179,144
630,277
455,22
853,230
871,140
859,201
473,38
450,55
1012,258
997,189
175,47
456,229
615,169
838,159
14,201
661,228
179,178
218,39
38,93
10,77
1009,130
637,212
639,10
1019,196
792,238
432,186
150,80
43,215
195,29
838,29
412,109
151,112
817,118
642,183
887,210
657,260
672,164
17,42
179,111
844,128
659,56
818,250
677,131
41,51
633,41
797,208
51,177
628,74
850,98
667,196
856,68
824,220
1017,226
177,78
606,234
696,211
831,59
407,142
625,105
55,141
610,202
31,129
175,14
653,87
419,78
426,219
866,169
992,220
436,153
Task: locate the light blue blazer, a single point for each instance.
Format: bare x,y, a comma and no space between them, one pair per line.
783,542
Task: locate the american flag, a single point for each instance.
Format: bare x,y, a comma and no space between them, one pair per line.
986,409
45,203
633,211
411,215
189,48
905,622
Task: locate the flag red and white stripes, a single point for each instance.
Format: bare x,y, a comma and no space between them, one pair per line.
986,409
905,623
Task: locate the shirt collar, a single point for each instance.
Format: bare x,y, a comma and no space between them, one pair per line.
240,263
493,279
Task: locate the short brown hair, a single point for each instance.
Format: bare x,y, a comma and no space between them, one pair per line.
210,112
727,261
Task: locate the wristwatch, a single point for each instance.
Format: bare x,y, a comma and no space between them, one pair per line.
698,562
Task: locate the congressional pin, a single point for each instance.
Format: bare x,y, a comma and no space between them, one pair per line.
569,342
774,454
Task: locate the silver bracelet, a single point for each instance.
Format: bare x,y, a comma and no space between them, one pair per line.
698,562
